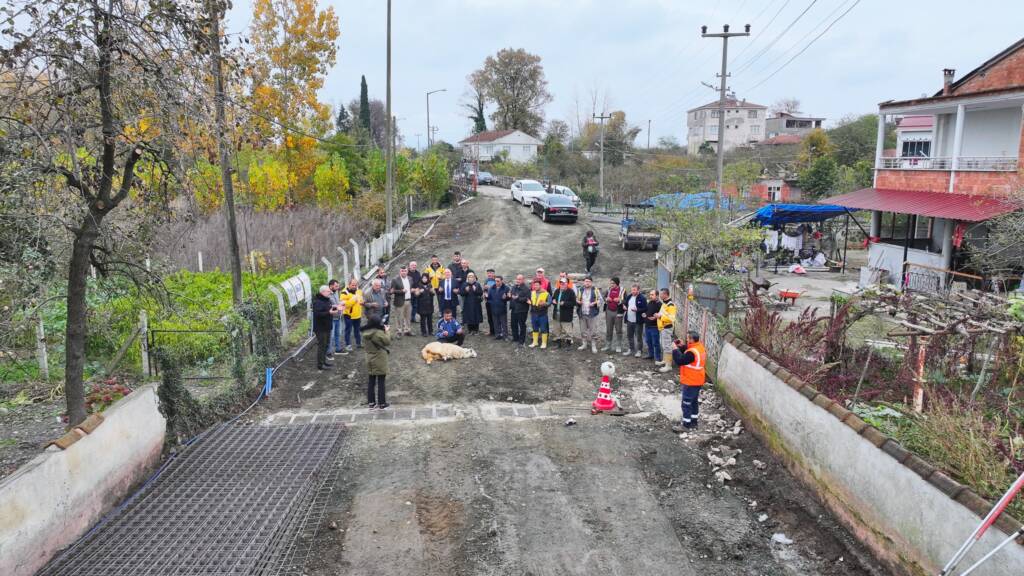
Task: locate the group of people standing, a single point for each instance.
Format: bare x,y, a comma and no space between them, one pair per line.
548,309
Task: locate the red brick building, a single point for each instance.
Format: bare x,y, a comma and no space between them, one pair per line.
776,190
924,207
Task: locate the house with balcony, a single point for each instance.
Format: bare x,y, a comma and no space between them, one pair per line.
928,202
744,125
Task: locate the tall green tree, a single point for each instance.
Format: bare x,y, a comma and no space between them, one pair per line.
476,101
364,107
343,121
513,79
855,137
819,179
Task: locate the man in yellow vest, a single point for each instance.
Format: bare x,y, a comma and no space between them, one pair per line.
691,358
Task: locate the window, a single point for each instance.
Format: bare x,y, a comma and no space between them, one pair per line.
714,113
916,149
751,113
755,129
714,130
775,192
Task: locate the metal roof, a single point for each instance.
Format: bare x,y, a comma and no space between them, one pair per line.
965,207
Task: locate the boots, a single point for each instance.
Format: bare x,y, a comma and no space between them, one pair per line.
583,346
536,335
593,347
543,341
607,346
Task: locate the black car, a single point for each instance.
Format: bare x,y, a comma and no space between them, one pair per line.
485,178
551,207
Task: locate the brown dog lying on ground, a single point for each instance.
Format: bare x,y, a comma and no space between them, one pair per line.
445,351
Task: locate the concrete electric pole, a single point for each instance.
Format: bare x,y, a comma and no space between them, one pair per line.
389,150
724,35
648,134
600,178
430,138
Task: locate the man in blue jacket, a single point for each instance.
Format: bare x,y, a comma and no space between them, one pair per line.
497,308
449,330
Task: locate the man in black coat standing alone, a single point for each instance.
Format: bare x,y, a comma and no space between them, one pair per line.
323,311
519,305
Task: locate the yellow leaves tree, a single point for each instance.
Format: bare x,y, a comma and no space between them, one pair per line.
331,182
268,184
293,48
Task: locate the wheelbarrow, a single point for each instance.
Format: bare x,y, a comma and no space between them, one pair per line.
788,297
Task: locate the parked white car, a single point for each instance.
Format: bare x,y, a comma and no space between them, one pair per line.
567,192
526,191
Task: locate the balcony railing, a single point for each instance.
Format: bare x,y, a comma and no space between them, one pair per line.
966,163
988,163
917,163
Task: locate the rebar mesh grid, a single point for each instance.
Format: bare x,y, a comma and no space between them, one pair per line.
233,504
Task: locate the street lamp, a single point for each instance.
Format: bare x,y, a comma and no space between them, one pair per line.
429,133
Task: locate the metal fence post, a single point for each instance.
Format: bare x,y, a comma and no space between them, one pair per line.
144,340
44,363
344,264
330,267
282,312
355,253
704,325
199,258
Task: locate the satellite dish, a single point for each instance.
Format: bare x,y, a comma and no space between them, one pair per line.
682,246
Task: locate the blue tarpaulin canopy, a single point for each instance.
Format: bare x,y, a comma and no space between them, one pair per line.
773,214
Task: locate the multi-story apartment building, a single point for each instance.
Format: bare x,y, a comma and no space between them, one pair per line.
926,207
786,123
744,125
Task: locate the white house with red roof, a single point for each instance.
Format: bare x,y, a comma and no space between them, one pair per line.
926,206
484,146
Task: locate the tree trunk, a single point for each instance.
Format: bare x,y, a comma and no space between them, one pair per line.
225,158
78,274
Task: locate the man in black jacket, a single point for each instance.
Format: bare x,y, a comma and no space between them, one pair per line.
563,306
323,312
519,302
415,277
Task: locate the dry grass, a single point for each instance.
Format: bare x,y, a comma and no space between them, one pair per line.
285,238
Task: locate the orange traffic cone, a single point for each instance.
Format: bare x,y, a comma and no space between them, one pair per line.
604,402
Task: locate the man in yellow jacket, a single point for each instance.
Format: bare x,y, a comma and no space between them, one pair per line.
435,271
352,300
666,318
691,358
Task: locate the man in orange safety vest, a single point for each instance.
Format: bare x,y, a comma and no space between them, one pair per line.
691,358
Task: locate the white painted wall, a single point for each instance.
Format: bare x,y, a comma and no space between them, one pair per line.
902,512
55,498
521,147
890,257
992,132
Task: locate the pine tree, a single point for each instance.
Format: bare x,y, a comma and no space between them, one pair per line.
343,121
364,106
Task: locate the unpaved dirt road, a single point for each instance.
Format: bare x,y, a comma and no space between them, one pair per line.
473,470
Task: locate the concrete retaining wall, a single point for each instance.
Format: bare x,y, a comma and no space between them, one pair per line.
911,515
55,498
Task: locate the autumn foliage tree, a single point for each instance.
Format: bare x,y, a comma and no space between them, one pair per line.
293,48
91,106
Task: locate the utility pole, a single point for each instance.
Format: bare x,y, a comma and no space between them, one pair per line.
430,138
214,9
389,151
600,179
724,35
648,134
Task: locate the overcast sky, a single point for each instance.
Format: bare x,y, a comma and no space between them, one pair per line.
647,58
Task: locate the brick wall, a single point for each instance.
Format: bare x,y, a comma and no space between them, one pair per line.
1005,73
979,183
929,180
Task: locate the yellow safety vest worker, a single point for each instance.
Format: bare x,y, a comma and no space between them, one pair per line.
353,302
693,374
435,276
668,315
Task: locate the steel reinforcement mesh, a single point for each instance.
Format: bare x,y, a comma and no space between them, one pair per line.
241,501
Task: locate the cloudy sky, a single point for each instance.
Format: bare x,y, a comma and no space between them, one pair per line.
646,57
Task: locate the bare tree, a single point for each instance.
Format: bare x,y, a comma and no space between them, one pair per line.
787,105
92,102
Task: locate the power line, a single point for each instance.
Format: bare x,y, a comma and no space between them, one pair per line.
763,51
804,49
796,44
763,28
